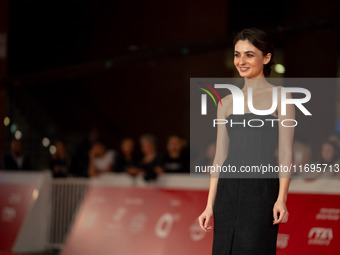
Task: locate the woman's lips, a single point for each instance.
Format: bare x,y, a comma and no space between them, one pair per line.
244,69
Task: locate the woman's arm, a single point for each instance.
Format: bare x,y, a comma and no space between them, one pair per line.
286,136
222,142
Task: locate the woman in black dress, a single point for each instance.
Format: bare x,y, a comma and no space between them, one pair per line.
247,211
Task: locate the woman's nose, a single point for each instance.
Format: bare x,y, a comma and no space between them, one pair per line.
242,60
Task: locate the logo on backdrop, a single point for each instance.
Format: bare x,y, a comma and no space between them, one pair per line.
282,240
8,214
328,214
320,236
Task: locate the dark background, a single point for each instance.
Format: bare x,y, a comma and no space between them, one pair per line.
123,67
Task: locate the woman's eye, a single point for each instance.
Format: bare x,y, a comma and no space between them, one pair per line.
249,55
236,55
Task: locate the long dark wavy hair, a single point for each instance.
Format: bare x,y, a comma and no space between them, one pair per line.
262,41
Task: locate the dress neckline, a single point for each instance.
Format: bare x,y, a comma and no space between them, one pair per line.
252,114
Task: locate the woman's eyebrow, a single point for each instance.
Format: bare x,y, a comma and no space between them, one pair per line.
249,51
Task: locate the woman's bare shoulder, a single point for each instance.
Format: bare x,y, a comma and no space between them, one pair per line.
228,99
226,106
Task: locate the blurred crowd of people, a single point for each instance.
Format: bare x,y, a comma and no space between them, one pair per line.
142,157
93,158
327,165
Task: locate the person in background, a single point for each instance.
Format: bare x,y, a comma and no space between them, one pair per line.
329,162
80,160
206,157
329,154
126,158
302,155
16,160
150,164
100,159
174,160
59,161
335,140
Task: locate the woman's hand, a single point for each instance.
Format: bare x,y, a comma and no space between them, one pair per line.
204,219
280,207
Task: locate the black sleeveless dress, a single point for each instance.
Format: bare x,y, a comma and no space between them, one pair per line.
243,208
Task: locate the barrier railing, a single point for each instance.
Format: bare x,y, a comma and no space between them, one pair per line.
68,194
66,197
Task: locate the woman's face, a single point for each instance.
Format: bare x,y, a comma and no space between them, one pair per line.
249,60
